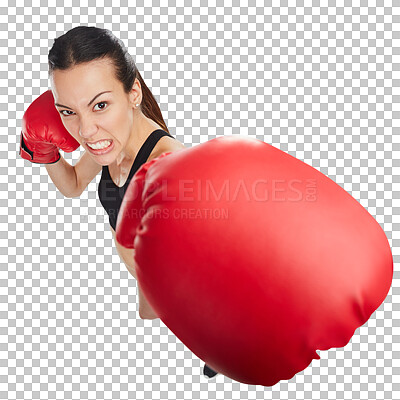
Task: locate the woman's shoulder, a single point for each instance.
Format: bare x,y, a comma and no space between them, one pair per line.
165,145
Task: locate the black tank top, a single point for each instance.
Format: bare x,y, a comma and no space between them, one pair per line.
111,195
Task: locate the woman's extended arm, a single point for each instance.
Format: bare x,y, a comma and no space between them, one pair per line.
145,309
70,180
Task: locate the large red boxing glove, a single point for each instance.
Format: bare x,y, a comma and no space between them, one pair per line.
253,258
43,132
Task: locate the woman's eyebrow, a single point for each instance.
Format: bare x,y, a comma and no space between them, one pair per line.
90,102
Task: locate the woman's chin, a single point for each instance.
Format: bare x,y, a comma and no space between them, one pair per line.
103,161
104,158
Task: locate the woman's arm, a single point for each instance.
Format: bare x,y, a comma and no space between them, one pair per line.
70,180
165,144
145,309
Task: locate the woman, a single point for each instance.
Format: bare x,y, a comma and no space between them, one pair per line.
106,106
112,128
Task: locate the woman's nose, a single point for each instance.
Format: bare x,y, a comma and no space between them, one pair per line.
87,129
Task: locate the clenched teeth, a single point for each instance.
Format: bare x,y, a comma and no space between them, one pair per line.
100,145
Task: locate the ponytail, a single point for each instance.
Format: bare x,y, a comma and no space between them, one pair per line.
149,104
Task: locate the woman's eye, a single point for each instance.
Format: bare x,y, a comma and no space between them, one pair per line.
66,115
102,102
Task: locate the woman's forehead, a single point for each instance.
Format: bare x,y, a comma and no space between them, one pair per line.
83,81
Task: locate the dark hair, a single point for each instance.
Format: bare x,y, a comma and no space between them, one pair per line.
86,43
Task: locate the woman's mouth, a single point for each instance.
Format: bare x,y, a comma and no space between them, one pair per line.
100,147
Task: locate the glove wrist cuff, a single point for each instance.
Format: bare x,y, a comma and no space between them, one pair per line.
33,156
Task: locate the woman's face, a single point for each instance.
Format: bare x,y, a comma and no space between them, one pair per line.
100,122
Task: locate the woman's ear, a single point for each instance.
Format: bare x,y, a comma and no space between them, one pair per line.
135,95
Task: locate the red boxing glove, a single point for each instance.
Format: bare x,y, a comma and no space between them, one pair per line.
254,259
43,132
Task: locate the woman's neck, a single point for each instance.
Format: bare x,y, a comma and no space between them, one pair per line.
141,130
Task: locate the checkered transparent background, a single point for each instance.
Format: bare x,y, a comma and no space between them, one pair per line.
319,82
